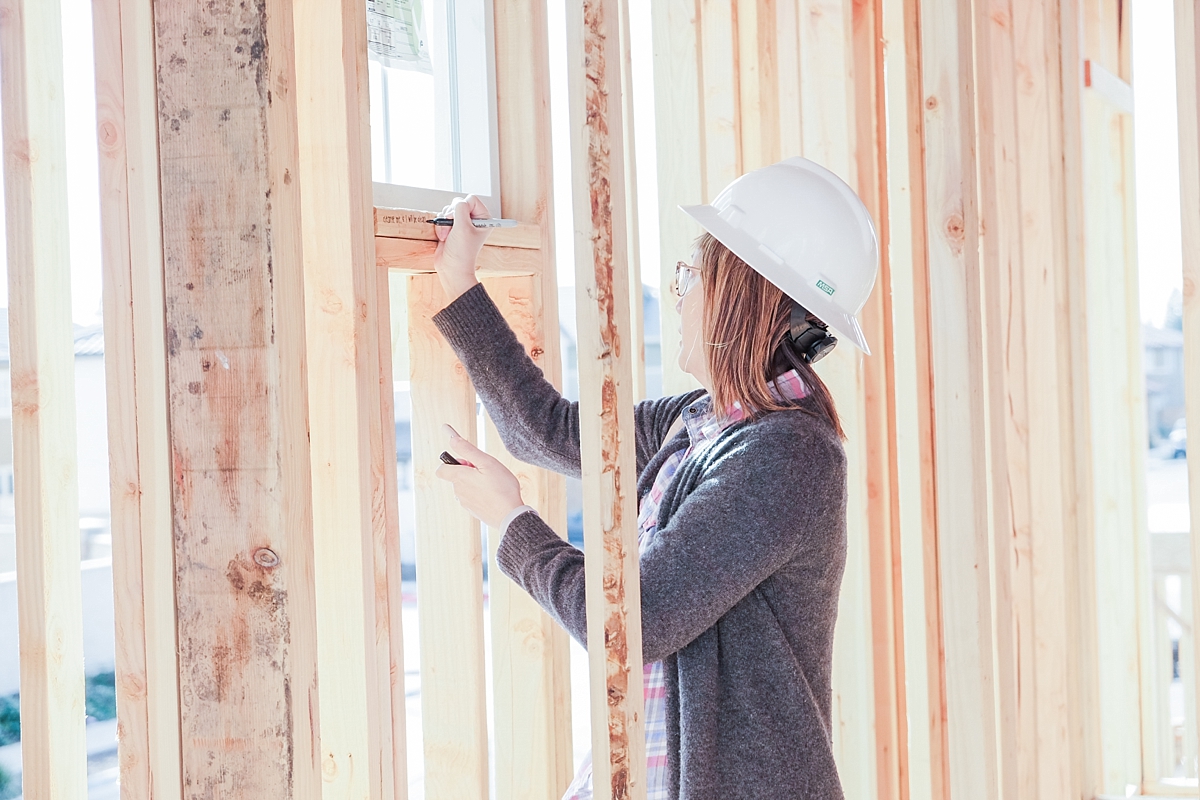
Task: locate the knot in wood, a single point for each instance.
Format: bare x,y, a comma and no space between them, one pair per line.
266,558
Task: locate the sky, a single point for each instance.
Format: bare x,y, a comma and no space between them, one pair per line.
1156,156
1155,132
83,189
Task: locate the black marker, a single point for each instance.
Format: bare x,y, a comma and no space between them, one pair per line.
445,222
449,459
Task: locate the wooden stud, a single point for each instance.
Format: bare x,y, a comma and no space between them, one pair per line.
882,465
1074,410
757,73
1006,418
719,115
449,564
787,75
633,237
238,417
927,747
606,401
1113,393
135,364
1041,433
679,136
43,402
956,367
541,744
524,638
385,513
827,136
1187,83
354,622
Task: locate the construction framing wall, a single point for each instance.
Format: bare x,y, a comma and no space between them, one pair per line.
992,639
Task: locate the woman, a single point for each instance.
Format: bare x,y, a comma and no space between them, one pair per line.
742,485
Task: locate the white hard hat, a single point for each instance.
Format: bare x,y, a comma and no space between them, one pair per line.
803,229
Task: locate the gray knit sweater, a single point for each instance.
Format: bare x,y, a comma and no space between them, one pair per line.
739,587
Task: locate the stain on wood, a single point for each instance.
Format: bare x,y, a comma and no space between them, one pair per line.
221,248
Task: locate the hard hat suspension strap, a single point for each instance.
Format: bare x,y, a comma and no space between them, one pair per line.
810,336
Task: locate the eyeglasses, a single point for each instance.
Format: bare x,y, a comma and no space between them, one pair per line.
686,276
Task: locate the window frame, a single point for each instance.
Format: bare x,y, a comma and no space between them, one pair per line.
396,195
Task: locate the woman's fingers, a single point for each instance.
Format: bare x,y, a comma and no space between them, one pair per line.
464,449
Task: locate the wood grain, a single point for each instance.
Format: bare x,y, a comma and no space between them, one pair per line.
236,389
1187,40
147,682
957,373
882,459
606,400
679,138
415,257
449,564
526,185
525,682
408,223
925,771
342,311
41,363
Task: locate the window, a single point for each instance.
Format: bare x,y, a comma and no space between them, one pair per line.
433,102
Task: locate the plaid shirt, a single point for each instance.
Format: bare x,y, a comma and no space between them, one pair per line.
702,426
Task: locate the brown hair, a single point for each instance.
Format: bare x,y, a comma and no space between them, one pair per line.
746,320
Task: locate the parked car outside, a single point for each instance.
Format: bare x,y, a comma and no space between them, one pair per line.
1178,439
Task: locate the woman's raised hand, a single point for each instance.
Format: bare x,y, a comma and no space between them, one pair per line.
458,246
482,485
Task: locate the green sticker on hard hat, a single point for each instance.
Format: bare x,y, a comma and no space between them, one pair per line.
825,287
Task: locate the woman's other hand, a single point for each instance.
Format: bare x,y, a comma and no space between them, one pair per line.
482,485
458,246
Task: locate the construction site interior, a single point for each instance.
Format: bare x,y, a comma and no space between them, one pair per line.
229,566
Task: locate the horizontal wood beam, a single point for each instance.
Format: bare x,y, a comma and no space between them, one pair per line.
408,223
415,257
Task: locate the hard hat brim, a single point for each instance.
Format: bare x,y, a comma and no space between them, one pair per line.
747,249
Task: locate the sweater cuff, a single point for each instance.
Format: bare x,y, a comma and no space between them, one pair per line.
516,512
525,535
471,314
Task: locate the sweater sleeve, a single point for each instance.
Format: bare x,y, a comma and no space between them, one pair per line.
536,423
741,523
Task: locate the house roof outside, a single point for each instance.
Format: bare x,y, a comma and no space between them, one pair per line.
89,339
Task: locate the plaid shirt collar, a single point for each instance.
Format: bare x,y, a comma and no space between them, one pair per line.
702,424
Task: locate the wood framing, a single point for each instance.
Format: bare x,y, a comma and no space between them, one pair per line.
1113,391
450,560
957,376
1187,41
530,674
236,388
606,400
816,46
349,444
880,432
924,764
1041,378
1076,453
135,362
632,224
41,359
532,737
680,143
